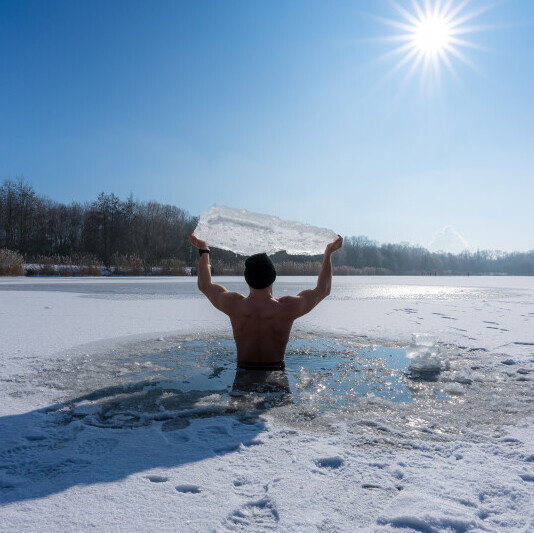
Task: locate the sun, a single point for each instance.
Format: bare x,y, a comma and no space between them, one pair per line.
431,34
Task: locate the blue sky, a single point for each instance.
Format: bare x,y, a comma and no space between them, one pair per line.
286,108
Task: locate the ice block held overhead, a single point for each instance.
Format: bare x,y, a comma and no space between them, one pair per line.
247,233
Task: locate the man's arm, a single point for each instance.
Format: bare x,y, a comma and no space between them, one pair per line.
218,295
306,300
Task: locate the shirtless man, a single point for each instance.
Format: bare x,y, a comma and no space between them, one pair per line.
260,322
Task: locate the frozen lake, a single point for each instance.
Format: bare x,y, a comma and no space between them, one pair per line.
116,388
344,288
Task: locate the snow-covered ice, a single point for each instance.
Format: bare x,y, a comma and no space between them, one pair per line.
100,431
247,233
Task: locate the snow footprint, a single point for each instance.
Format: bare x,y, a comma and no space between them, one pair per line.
157,479
329,462
258,515
40,461
38,471
241,486
246,489
186,488
97,446
20,454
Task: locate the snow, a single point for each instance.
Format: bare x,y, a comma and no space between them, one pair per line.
89,442
248,233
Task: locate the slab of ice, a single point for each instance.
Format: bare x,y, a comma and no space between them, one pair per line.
247,233
424,354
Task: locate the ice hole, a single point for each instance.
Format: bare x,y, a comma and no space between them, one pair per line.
329,373
198,379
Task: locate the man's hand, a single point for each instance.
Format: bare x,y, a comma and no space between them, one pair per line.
334,246
197,243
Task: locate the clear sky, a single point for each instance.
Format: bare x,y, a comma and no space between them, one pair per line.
283,107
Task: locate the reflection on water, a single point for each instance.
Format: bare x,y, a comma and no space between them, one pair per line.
328,372
260,389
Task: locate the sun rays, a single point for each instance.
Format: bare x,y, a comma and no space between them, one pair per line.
431,35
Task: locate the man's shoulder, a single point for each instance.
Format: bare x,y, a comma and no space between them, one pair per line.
288,301
233,296
227,300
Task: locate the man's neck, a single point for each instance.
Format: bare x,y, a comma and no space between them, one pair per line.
265,294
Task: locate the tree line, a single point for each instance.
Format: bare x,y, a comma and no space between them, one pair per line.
362,253
143,236
106,229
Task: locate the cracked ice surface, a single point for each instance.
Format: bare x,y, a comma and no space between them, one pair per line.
247,233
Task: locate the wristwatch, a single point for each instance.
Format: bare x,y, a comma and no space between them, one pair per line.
200,252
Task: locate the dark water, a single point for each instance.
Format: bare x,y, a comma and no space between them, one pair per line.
327,372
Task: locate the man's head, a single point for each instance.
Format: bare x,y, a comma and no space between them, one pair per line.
259,271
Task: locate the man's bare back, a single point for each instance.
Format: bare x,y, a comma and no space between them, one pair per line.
261,323
261,326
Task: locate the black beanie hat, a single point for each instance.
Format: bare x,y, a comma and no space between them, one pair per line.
259,271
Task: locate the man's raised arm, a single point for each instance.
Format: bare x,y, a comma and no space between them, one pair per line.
306,300
218,295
